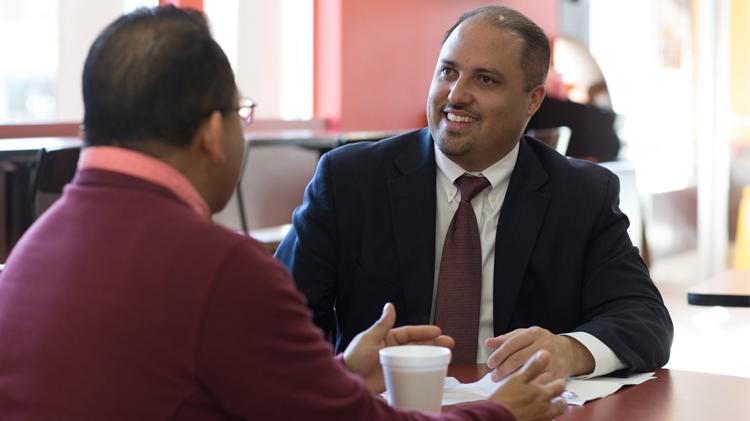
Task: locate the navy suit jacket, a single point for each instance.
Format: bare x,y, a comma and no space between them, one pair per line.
365,235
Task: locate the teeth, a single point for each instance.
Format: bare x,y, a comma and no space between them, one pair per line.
460,118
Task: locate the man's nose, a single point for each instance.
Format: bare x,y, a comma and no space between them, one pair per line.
460,92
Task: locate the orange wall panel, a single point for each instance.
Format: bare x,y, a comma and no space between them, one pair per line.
374,59
186,4
327,61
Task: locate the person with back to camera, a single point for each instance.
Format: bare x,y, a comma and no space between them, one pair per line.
124,301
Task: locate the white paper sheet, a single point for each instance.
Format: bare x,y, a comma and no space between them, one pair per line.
577,391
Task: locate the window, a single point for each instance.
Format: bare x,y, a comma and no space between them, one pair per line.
28,82
269,44
649,75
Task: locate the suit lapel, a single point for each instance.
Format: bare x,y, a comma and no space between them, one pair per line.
521,218
412,200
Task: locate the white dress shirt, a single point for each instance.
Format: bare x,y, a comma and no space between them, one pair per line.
487,206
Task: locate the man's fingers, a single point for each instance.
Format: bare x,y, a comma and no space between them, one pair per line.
544,378
445,340
383,325
414,334
442,340
553,389
512,345
513,363
495,342
558,406
534,367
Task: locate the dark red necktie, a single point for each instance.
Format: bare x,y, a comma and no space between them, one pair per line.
460,279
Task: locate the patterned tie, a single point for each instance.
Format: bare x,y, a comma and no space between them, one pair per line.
460,278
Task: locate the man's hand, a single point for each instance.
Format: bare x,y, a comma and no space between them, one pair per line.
527,400
568,357
362,354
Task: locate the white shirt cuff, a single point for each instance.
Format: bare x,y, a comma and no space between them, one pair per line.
605,360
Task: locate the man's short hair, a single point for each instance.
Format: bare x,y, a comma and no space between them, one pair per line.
154,75
535,54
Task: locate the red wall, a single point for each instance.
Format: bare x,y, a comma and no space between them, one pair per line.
189,4
374,59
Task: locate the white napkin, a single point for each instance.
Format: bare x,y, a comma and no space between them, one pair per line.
456,392
577,391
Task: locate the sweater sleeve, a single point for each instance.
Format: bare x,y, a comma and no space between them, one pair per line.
261,357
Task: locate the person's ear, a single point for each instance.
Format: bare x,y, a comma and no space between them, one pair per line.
536,96
211,137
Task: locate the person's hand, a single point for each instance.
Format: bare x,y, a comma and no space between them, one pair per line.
362,354
527,400
568,357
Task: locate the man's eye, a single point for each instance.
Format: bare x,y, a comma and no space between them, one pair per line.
486,80
447,71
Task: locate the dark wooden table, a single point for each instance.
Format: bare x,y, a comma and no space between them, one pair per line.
673,395
730,288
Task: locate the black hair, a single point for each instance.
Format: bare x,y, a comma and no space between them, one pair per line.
154,75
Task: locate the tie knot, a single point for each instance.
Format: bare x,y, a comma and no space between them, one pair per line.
470,186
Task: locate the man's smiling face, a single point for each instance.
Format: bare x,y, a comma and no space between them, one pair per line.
479,102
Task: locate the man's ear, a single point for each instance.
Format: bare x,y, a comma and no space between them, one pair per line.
211,137
536,96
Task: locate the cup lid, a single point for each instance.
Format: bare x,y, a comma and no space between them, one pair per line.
415,356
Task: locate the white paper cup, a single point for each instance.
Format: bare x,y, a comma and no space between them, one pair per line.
414,375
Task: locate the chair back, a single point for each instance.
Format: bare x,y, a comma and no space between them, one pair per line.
54,169
271,186
555,137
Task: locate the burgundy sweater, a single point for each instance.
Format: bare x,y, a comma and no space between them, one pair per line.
121,303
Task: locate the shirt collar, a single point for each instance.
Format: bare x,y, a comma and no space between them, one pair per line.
496,174
136,164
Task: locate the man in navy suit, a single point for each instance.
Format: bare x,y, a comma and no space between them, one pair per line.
558,270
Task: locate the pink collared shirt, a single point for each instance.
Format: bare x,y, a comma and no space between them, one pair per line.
136,164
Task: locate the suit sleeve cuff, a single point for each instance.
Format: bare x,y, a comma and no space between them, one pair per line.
605,360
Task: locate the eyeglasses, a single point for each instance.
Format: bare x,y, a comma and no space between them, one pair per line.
246,111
